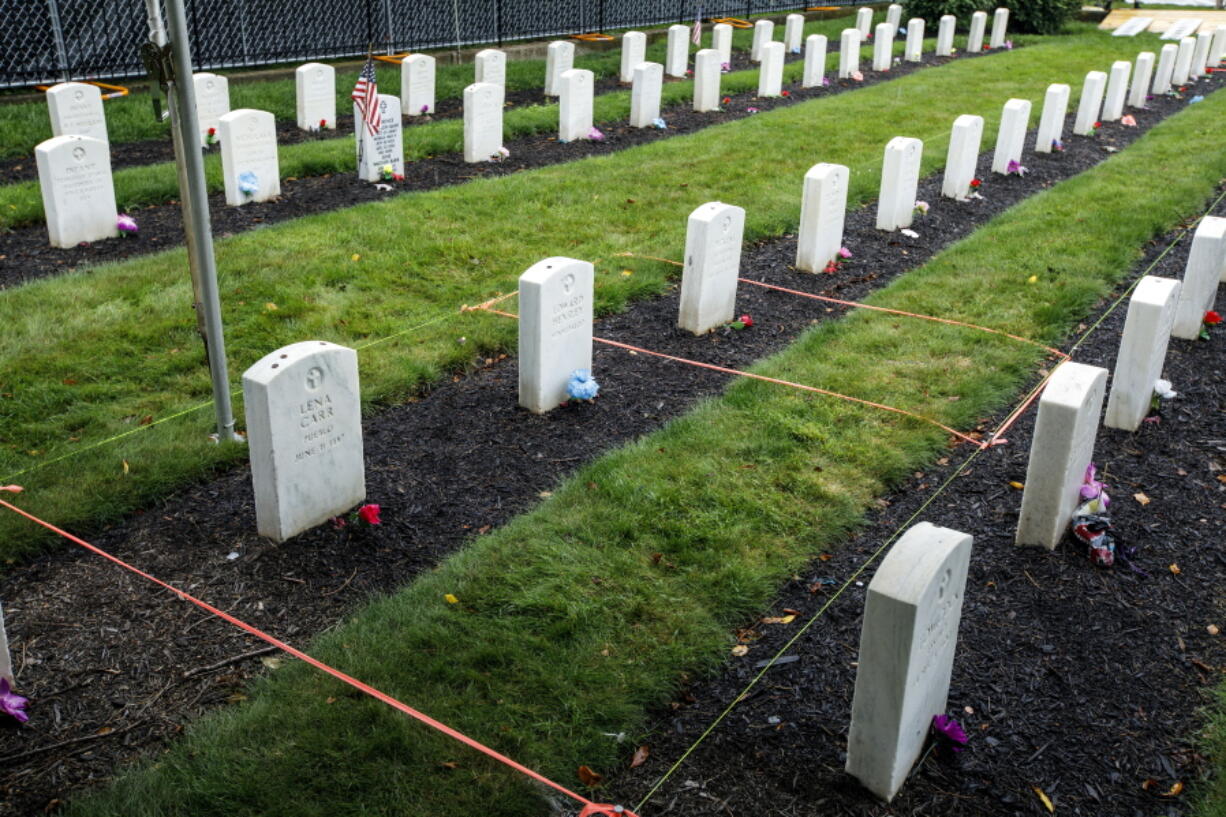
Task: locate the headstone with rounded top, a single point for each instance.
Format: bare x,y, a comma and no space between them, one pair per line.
1166,69
893,16
974,40
1201,275
814,74
677,51
721,41
74,175
249,156
559,59
849,53
770,70
1142,75
899,183
864,22
1011,137
883,47
763,31
1000,26
793,33
380,152
212,93
1200,55
555,329
1051,121
712,265
1091,105
76,109
823,209
963,155
945,35
417,73
913,51
634,51
1147,333
645,94
575,105
482,121
1183,61
1117,90
315,87
707,76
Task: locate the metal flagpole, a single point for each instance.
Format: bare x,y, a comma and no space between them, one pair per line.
171,68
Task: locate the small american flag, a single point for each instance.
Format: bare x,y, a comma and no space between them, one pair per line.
366,95
697,35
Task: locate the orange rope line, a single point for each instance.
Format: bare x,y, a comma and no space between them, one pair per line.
495,300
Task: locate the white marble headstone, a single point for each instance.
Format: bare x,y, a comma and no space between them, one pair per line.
1090,107
793,33
849,53
913,51
945,35
964,140
76,109
893,16
899,183
1200,55
883,46
974,40
249,156
212,93
770,70
712,265
645,94
417,73
707,76
1060,450
377,151
1201,276
1117,90
559,59
1166,69
677,51
304,436
6,658
907,646
1051,122
315,91
1183,61
555,329
490,66
1000,26
1147,333
721,41
634,51
763,31
1142,74
1132,27
823,209
575,105
1011,137
482,121
74,174
1217,52
814,74
864,22
1182,28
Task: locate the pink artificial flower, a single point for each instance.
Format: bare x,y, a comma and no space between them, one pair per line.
746,321
844,252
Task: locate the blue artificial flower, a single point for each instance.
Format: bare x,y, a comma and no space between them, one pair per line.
659,123
1197,98
581,385
248,183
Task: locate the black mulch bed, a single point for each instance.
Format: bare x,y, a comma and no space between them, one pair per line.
115,668
1081,681
25,253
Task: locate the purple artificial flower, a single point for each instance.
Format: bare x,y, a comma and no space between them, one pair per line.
10,704
126,224
844,252
425,109
1092,488
595,135
948,733
1015,167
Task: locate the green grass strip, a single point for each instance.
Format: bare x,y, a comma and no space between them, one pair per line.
567,628
90,355
1211,801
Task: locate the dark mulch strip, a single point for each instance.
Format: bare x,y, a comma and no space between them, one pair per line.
26,255
98,649
1082,681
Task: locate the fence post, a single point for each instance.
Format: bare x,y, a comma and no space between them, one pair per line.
391,36
61,50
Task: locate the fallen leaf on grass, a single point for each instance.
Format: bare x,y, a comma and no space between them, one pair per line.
125,466
451,599
779,619
589,777
739,650
449,764
1151,785
825,557
1042,795
272,662
640,756
1140,497
1015,484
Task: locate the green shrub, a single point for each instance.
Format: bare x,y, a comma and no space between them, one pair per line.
1025,16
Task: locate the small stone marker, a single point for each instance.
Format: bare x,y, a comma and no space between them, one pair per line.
864,22
677,55
1147,333
315,90
1000,25
304,435
559,58
249,156
212,100
1183,61
482,121
384,148
899,182
763,31
74,174
1117,89
814,75
1217,52
1200,55
6,658
1061,449
793,33
770,70
1200,277
634,51
555,329
76,109
883,46
907,645
945,35
962,157
974,40
1091,103
575,105
849,53
893,16
645,94
721,41
707,77
913,51
823,207
1132,27
1142,74
1051,122
417,84
490,66
1166,69
1182,28
712,264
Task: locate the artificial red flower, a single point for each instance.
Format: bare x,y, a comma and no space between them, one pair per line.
212,131
746,320
785,93
1097,125
975,182
1212,318
369,514
323,123
832,268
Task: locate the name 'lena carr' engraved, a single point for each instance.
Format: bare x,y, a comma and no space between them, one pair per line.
315,410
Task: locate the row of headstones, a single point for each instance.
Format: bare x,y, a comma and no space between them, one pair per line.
1177,30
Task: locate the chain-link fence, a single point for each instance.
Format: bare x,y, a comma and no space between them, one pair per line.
58,40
